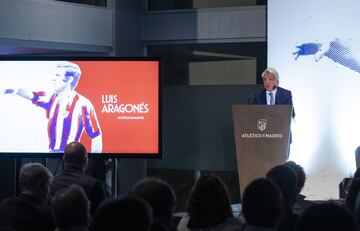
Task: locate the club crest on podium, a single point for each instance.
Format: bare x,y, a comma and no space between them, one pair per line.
262,123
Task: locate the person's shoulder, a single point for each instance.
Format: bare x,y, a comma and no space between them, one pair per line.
84,100
283,90
74,175
87,179
257,96
88,183
259,91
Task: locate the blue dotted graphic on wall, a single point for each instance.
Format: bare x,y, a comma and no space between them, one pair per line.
344,52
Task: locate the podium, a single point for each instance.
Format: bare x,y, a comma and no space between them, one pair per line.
262,135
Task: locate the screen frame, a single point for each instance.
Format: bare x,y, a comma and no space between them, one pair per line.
150,155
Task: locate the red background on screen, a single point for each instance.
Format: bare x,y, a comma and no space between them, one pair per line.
134,82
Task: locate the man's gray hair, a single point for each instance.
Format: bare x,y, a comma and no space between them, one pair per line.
272,71
34,174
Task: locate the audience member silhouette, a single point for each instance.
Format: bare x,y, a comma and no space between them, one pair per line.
300,174
71,209
28,211
352,201
35,180
352,195
161,197
75,163
357,174
326,216
209,207
285,178
357,157
126,213
300,203
345,183
262,205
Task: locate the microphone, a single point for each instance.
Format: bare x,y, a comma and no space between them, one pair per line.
274,88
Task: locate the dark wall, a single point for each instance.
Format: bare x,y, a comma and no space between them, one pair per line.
128,43
198,128
7,177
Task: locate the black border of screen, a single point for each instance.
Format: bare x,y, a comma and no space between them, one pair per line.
157,155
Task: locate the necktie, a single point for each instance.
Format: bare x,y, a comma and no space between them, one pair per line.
272,101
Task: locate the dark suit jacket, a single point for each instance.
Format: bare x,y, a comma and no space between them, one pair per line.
283,96
25,212
93,188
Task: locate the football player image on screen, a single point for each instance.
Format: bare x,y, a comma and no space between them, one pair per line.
69,114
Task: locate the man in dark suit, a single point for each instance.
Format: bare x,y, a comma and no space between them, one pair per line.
271,93
75,163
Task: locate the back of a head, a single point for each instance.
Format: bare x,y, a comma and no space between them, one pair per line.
70,207
35,178
300,174
209,203
285,178
262,203
158,193
126,213
357,174
19,215
352,195
326,216
357,157
75,155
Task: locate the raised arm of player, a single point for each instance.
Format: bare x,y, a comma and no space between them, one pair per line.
21,92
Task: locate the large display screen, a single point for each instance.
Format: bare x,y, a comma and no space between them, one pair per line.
314,46
112,105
